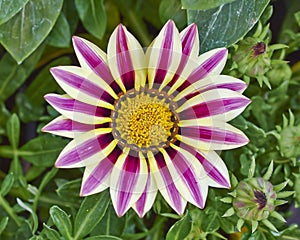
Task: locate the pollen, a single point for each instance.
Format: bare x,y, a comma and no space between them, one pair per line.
143,119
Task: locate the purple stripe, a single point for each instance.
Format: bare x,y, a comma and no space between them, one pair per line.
204,69
72,105
213,172
95,62
214,107
127,181
165,57
69,125
187,175
140,204
124,61
83,84
85,150
101,172
169,184
213,135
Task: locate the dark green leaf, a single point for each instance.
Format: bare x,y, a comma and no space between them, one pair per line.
23,232
92,15
25,31
61,221
203,4
103,237
110,224
69,190
14,75
13,130
60,36
3,224
211,222
4,115
171,9
90,213
50,233
9,8
180,229
43,150
225,25
7,184
70,13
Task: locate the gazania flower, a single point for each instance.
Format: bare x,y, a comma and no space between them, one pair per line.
148,122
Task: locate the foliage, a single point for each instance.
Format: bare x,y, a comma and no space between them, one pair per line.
39,202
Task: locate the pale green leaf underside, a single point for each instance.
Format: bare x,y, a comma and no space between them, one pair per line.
9,8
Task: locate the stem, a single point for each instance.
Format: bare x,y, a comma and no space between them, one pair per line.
9,210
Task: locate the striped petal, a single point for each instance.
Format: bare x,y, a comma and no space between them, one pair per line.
65,127
78,111
96,177
126,59
128,180
214,167
165,182
84,85
164,56
209,63
220,136
221,104
87,149
212,82
188,62
187,173
145,202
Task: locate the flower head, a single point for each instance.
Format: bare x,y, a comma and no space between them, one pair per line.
144,122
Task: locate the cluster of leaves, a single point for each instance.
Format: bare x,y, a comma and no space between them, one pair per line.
39,202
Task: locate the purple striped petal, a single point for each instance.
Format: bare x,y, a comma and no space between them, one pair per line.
128,181
95,177
86,149
78,111
83,86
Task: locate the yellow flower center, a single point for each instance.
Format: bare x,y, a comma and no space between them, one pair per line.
144,119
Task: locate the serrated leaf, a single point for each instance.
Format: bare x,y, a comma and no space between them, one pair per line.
180,229
43,150
226,24
60,36
203,4
93,16
61,221
14,75
13,130
7,184
9,8
24,32
90,213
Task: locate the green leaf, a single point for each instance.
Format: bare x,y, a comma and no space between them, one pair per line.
60,36
23,232
70,13
110,224
14,75
43,150
180,229
7,184
13,130
90,213
25,31
50,233
9,8
103,237
70,190
211,222
93,16
4,115
29,209
203,4
61,221
171,9
3,224
225,25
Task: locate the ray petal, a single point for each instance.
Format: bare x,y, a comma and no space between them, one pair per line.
126,59
84,85
165,183
164,56
87,149
78,111
128,180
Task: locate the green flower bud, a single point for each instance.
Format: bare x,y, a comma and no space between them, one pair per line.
289,143
279,73
254,199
